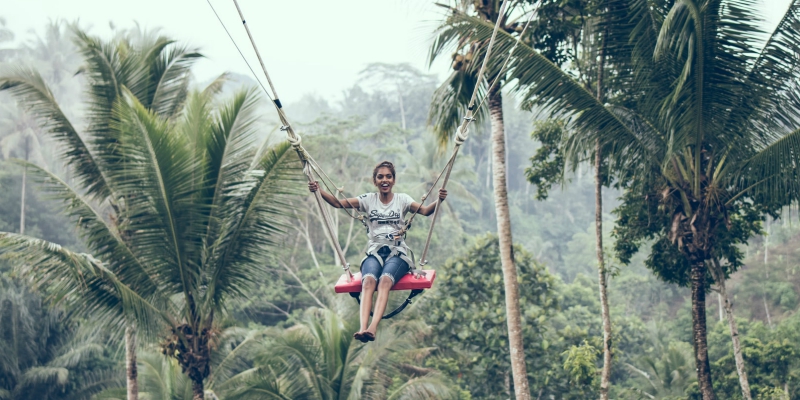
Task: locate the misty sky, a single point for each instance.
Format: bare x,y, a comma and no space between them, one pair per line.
309,46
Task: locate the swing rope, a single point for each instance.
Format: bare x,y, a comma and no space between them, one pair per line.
462,133
296,141
311,167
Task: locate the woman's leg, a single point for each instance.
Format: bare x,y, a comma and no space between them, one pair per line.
384,286
370,271
367,289
393,269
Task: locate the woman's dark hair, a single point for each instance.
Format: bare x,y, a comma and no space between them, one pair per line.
383,164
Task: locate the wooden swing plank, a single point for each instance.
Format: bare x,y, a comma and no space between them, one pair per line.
408,282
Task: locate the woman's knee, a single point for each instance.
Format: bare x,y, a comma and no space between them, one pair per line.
386,283
368,282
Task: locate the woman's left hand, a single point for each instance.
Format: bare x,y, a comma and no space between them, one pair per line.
442,194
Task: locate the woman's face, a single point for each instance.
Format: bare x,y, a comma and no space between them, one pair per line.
384,180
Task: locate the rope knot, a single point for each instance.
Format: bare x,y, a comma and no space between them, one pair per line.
295,141
461,135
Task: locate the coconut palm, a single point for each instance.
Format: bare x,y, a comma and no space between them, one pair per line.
152,68
198,223
317,359
448,106
192,204
702,132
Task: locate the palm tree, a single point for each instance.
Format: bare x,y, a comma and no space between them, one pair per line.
198,223
448,105
21,139
318,360
192,204
702,134
152,69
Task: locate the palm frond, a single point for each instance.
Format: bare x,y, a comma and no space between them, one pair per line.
250,212
772,92
100,235
449,105
544,84
215,87
228,148
235,343
155,179
42,377
772,174
107,70
169,74
73,356
427,387
74,276
28,86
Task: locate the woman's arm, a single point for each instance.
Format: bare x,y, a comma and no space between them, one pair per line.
333,200
430,208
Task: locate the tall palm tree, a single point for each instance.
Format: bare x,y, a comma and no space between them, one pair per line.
703,134
20,138
449,103
199,220
152,68
191,204
318,360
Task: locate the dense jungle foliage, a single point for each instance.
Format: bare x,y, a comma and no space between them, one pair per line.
259,299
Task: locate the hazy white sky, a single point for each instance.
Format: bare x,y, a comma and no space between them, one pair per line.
309,46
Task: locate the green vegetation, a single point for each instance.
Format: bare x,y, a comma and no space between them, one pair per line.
157,243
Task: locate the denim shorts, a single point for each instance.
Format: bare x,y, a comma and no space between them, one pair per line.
395,268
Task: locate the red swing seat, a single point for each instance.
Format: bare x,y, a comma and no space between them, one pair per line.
408,282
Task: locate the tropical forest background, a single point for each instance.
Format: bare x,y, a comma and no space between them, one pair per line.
72,315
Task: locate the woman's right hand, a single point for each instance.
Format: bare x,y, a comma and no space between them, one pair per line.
313,186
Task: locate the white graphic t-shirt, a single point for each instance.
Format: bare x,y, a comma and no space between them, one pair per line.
384,221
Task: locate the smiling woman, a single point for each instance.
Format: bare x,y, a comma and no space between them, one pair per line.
386,260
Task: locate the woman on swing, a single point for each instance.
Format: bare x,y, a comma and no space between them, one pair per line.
387,254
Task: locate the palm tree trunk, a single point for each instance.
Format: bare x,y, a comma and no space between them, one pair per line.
737,348
699,330
198,393
22,195
402,109
517,350
130,362
605,374
22,201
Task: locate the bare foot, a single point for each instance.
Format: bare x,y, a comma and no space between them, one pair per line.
359,336
368,335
